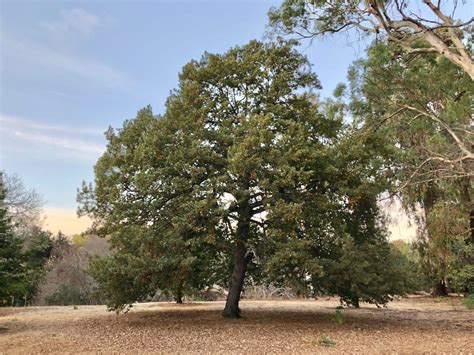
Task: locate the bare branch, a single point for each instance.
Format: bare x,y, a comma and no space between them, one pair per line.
468,154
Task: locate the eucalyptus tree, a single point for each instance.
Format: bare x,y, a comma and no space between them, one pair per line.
404,22
421,105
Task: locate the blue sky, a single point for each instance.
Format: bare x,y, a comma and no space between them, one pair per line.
70,69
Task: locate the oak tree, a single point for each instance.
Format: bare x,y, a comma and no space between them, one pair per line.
245,178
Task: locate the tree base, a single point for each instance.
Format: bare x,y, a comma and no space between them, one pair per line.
231,313
439,290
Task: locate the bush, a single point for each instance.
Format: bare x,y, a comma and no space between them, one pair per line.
370,272
469,301
66,295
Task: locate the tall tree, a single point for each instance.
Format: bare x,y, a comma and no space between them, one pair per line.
241,179
421,104
13,275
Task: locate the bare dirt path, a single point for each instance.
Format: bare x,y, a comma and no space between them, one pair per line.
410,325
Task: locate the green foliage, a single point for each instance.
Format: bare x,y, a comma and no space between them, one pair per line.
121,280
469,302
66,295
79,239
24,247
365,272
411,261
13,271
446,254
461,267
411,102
422,106
37,252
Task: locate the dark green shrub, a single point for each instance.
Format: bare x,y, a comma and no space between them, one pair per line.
66,295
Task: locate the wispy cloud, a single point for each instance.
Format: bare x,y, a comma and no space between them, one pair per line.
74,21
15,122
47,137
71,144
26,57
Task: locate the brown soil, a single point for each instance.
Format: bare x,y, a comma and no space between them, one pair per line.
409,325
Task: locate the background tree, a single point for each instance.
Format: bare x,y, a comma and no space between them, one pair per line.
421,104
27,246
446,258
66,279
24,205
13,281
342,248
410,254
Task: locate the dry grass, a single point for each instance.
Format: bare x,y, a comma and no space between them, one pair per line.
410,325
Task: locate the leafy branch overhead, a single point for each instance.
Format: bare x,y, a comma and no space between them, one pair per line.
420,37
429,28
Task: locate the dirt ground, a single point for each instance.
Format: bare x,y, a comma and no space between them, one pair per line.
409,325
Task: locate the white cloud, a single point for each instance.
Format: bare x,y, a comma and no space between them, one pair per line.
25,57
33,139
72,144
15,122
73,21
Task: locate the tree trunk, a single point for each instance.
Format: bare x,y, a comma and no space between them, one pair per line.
439,289
466,199
179,295
471,224
232,309
429,200
241,260
356,303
